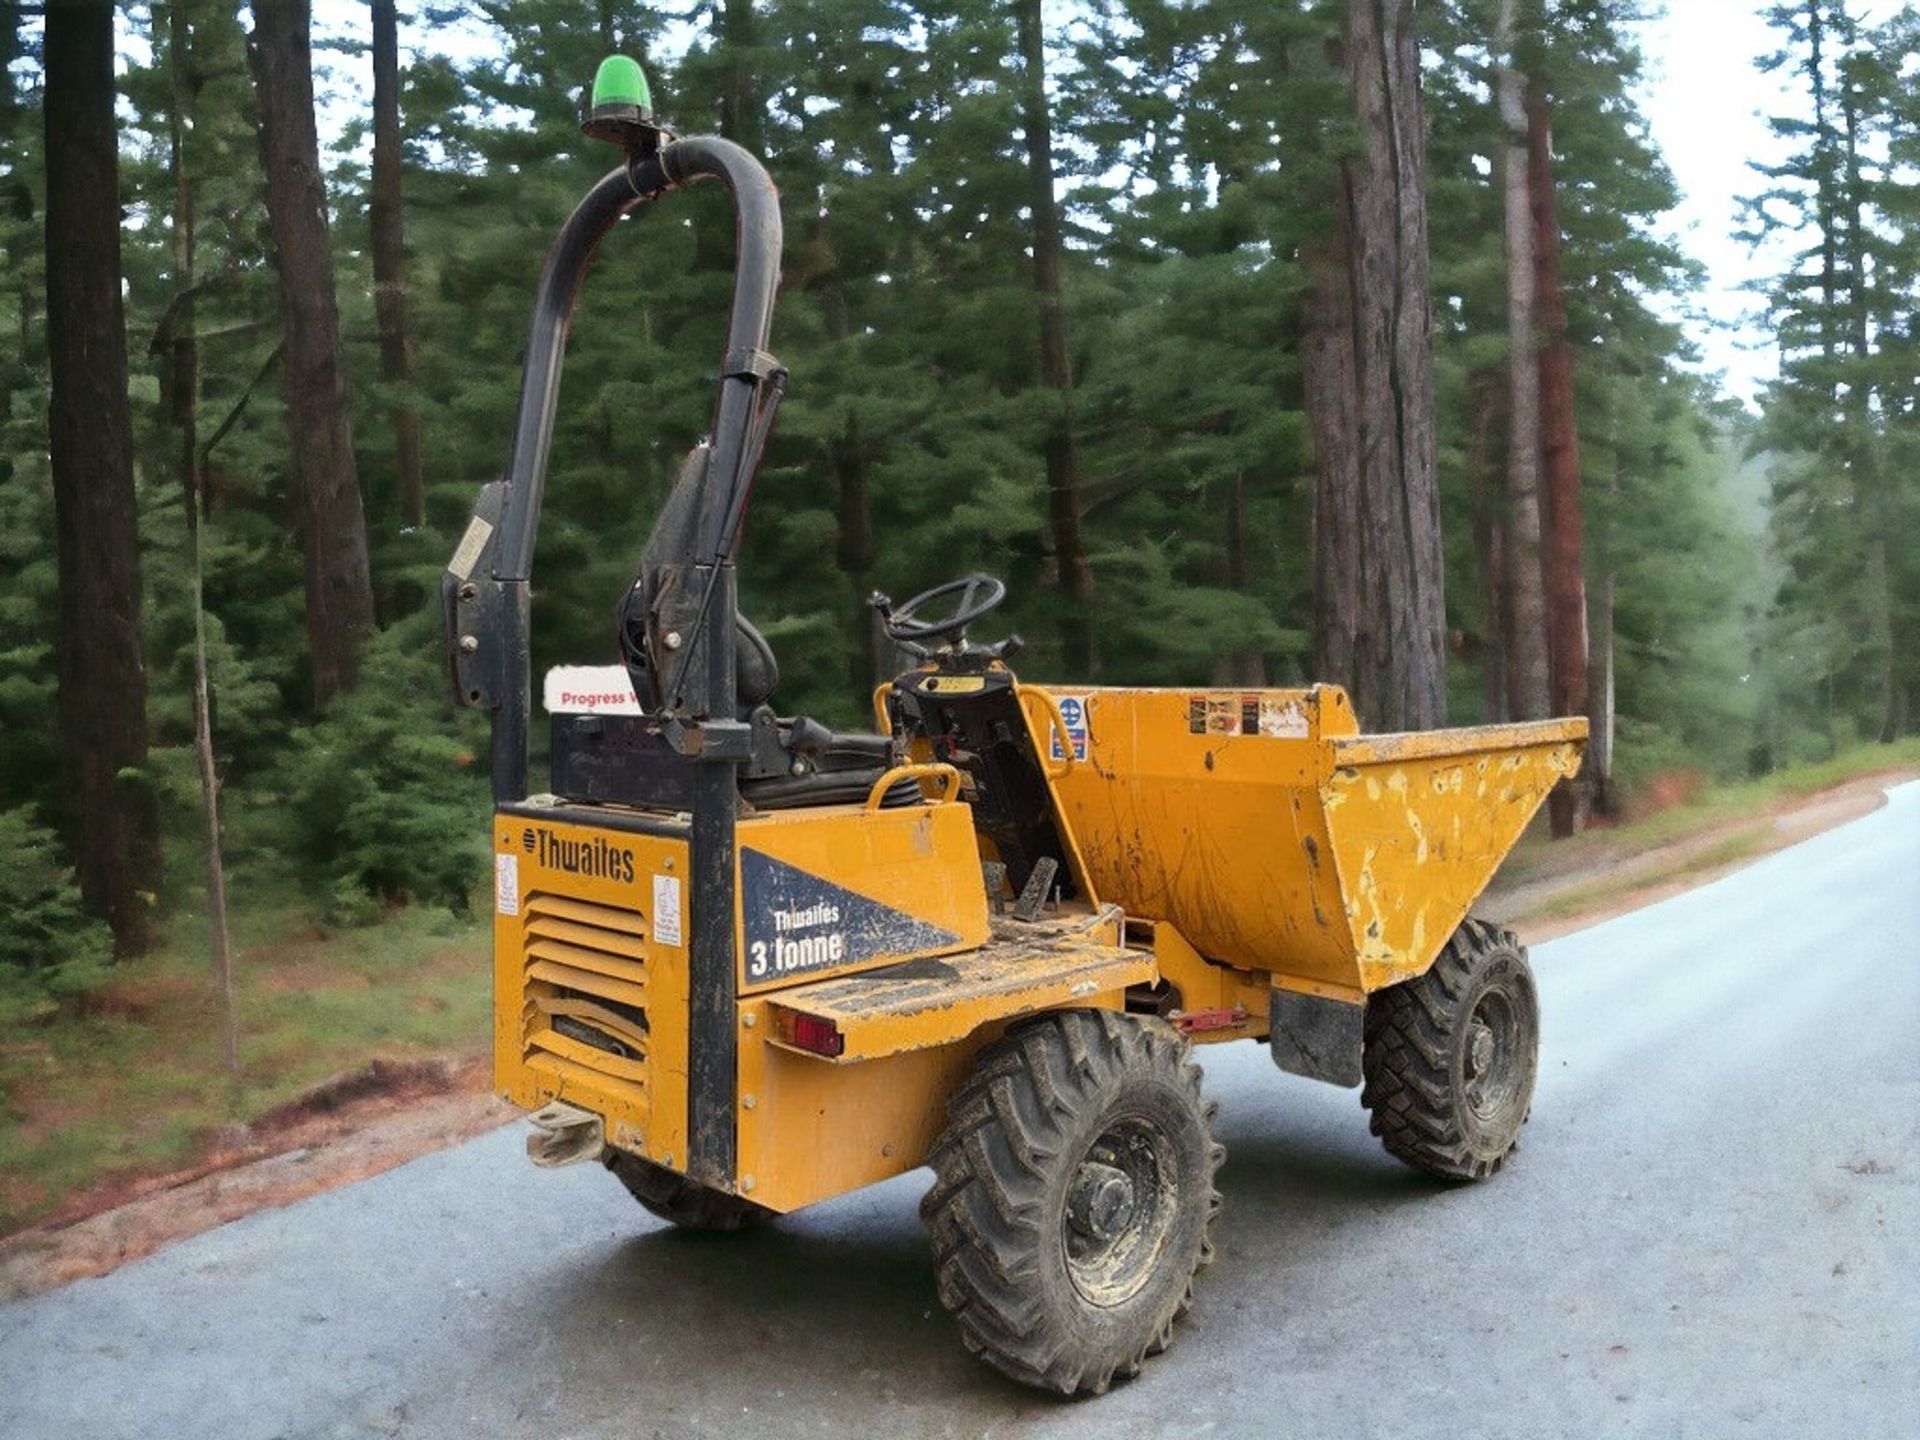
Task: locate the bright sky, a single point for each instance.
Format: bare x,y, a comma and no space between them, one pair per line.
1705,101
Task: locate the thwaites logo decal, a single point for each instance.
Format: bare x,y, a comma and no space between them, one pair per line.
596,857
797,923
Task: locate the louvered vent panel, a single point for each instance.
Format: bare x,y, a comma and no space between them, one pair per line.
586,1013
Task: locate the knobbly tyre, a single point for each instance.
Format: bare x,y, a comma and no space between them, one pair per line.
750,963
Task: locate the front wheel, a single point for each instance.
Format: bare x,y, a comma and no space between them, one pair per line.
1072,1198
1450,1057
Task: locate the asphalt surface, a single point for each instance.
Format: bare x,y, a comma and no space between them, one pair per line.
1712,1228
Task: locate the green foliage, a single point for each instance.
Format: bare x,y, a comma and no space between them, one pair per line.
1845,414
1195,147
48,946
381,794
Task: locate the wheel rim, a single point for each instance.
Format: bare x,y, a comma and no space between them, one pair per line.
1119,1211
1491,1060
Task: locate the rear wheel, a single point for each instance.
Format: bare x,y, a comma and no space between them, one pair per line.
683,1202
1450,1057
1072,1198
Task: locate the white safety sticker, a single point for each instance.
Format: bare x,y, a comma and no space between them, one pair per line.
1073,710
590,690
471,544
506,884
666,909
1283,719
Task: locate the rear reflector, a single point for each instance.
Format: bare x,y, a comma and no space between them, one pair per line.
822,1037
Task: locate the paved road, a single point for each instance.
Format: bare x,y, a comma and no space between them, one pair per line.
1712,1229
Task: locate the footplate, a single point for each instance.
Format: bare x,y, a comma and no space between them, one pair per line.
1075,960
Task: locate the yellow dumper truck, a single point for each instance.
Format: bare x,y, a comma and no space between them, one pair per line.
751,963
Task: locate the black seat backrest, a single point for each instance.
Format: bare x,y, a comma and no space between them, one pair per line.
756,671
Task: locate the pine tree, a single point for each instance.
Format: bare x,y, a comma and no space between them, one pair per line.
1064,481
1380,613
103,682
1841,605
1529,694
333,530
387,218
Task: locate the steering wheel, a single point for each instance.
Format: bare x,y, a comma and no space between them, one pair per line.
969,599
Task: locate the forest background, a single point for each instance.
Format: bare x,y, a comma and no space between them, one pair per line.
1071,294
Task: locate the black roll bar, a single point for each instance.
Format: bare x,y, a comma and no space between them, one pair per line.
485,590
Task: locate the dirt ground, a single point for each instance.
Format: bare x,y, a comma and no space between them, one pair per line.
355,1125
1548,906
387,1113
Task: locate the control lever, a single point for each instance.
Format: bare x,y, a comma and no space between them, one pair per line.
1033,895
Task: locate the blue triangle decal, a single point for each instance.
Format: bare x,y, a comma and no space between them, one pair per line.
797,923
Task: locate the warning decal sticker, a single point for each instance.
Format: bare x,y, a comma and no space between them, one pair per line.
1216,714
797,923
666,909
471,544
1073,710
1283,719
506,884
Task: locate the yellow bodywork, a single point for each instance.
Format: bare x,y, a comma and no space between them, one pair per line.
575,911
1277,838
594,912
1227,843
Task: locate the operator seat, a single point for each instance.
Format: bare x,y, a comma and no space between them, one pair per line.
839,767
813,764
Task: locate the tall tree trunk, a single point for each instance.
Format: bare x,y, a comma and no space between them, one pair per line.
1871,479
333,524
388,216
1825,202
849,459
102,705
1598,766
183,375
1379,601
1561,555
733,29
1064,482
24,368
1489,545
16,198
10,50
1529,695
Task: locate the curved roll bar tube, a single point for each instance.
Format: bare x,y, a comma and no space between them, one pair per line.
485,588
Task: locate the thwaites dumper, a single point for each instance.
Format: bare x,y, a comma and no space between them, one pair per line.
750,963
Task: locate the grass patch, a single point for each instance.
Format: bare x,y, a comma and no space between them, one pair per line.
1539,856
1579,899
132,1082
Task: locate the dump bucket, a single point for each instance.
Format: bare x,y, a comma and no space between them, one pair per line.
1278,838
